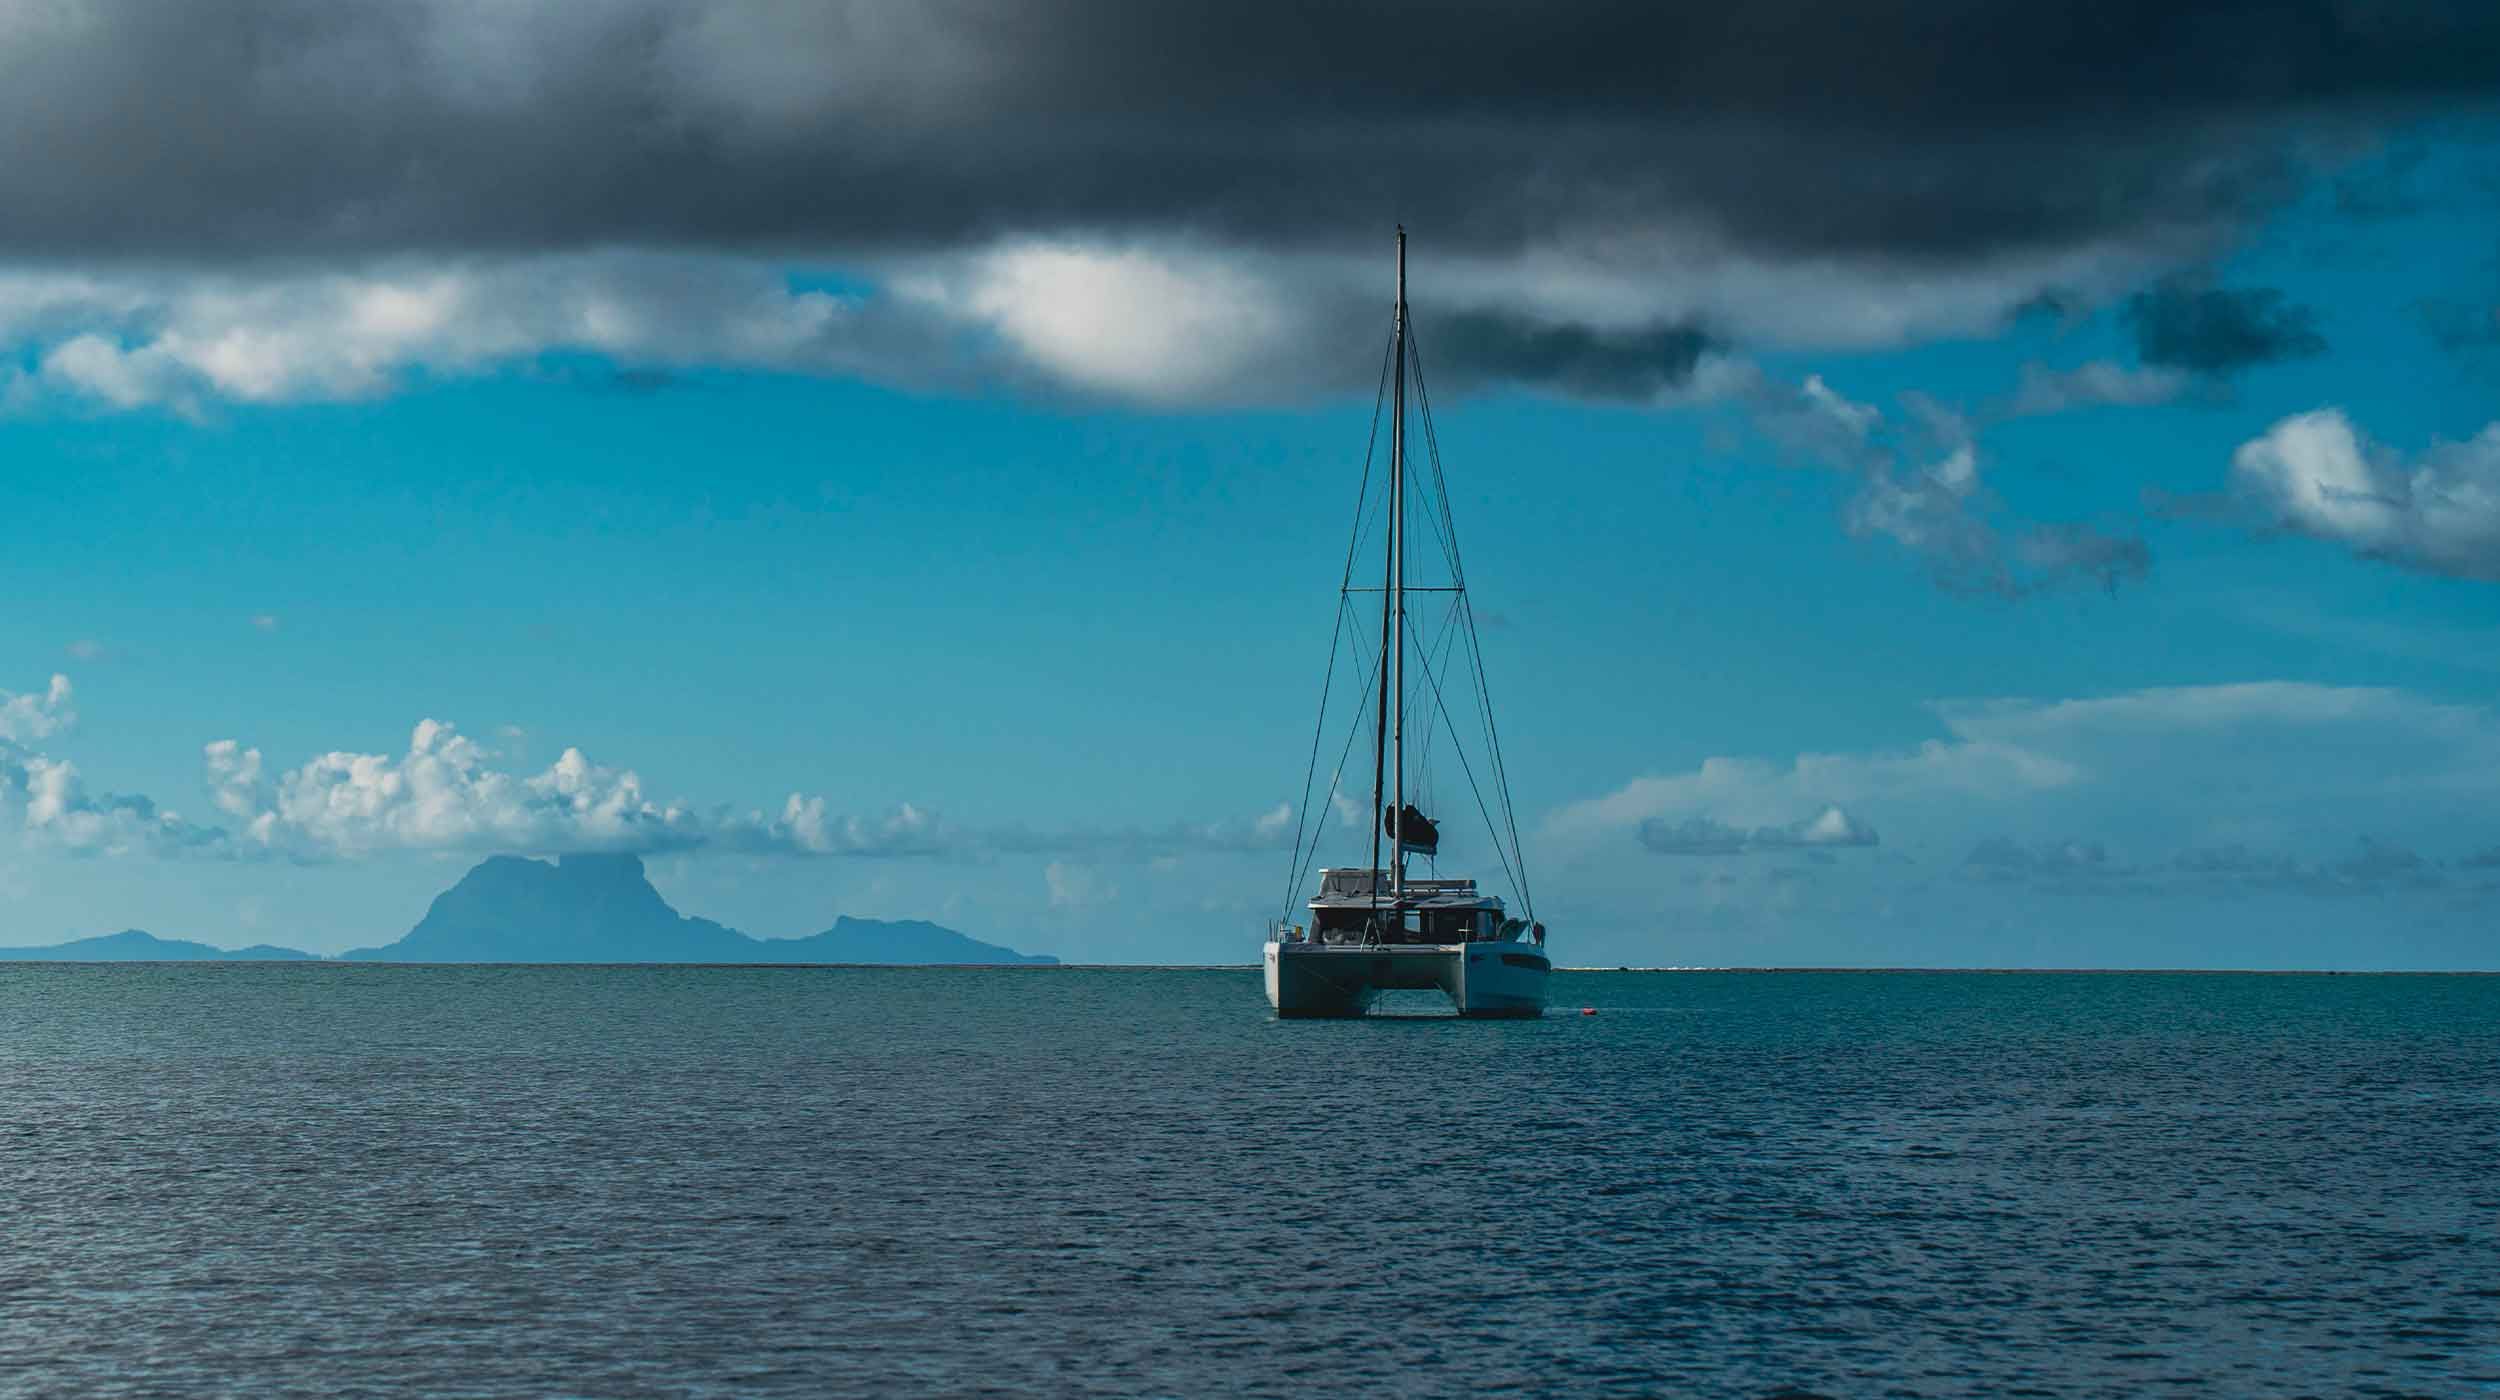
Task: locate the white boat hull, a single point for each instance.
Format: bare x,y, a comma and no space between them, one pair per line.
1492,978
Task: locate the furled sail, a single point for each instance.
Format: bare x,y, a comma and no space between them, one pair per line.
1420,833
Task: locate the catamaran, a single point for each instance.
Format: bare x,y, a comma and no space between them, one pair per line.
1378,927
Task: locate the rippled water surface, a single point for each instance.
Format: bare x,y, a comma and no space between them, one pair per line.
315,1180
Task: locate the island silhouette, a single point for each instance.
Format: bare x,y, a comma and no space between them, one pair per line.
138,945
582,908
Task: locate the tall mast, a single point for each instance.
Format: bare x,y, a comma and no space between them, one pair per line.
1388,580
1397,565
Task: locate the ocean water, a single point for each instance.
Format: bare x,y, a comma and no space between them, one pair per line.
285,1180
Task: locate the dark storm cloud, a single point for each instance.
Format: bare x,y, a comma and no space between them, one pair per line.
1593,364
2215,330
1929,129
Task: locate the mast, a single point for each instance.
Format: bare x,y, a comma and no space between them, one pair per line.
1397,593
1388,578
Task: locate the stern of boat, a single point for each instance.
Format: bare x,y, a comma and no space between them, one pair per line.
1505,978
1310,979
1486,979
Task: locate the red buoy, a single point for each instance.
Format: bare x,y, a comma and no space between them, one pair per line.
1588,1010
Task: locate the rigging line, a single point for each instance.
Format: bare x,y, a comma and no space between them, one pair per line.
1458,573
1501,769
1441,636
1447,527
1441,701
1363,648
1371,673
1448,554
1444,526
1501,764
1362,497
1432,661
1441,483
1472,787
1432,446
1304,861
1354,541
1475,645
1319,726
1362,704
1428,728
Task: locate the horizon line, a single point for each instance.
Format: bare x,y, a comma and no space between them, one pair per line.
339,960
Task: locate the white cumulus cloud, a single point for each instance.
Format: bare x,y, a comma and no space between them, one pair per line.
2264,824
1163,319
1161,325
805,826
2192,765
46,800
443,793
1075,887
130,340
2315,473
1922,484
448,792
1701,836
36,714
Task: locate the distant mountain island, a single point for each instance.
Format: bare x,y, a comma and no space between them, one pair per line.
135,945
581,908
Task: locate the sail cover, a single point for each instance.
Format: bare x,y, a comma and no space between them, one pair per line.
1420,833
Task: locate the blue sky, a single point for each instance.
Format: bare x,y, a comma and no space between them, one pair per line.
986,577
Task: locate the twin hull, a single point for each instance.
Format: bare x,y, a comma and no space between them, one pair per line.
1493,978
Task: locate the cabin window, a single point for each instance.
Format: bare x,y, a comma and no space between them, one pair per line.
1339,920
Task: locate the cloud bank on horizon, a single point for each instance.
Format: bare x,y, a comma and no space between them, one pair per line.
449,792
2378,767
2257,802
2287,804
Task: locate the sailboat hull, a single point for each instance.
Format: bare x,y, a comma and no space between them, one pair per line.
1487,979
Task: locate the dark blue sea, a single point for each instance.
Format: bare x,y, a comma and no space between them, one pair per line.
290,1180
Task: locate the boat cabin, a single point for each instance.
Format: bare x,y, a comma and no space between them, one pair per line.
1356,906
